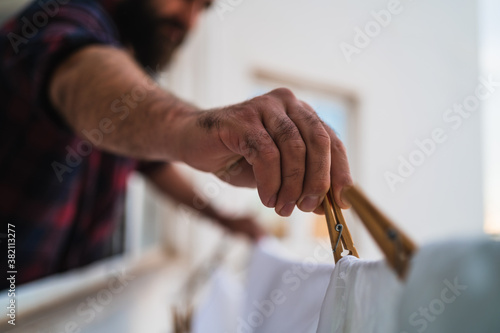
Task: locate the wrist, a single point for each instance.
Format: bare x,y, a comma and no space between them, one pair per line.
178,119
197,141
210,212
182,132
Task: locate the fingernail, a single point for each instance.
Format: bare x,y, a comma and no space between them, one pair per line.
272,202
287,209
309,203
345,203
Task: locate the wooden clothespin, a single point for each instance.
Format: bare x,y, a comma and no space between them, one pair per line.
340,237
397,247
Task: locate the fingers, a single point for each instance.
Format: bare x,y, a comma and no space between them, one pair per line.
239,173
260,151
243,134
340,173
317,175
292,147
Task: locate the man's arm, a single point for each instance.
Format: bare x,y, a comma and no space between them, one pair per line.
100,83
274,142
173,184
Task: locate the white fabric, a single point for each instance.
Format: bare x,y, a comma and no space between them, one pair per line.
218,313
283,295
453,287
362,297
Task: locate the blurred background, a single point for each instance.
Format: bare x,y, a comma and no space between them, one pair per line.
389,87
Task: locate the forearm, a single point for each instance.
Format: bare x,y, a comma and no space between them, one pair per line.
170,181
102,91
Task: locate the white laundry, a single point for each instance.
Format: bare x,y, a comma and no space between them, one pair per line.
453,287
362,297
219,311
283,295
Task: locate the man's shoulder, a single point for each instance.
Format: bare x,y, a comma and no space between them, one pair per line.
43,19
39,14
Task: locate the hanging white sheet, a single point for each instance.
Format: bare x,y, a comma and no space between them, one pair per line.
222,306
362,298
283,295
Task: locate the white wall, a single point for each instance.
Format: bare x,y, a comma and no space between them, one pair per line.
422,63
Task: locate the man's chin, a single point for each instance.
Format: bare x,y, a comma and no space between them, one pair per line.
159,64
154,56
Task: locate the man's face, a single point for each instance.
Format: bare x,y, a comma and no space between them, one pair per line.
156,28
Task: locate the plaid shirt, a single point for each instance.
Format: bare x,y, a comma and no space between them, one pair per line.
64,196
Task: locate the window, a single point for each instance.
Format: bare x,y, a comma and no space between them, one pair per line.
490,65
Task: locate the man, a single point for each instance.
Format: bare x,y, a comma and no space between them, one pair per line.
79,113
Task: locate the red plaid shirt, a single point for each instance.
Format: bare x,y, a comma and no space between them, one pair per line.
64,196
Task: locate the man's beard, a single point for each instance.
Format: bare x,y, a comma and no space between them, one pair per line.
154,39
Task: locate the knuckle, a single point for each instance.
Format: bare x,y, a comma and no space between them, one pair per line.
267,104
294,174
246,112
250,145
343,179
306,106
286,130
263,146
318,186
283,92
306,117
316,122
338,146
311,119
269,154
321,138
296,147
267,99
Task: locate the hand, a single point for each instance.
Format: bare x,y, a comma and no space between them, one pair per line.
244,225
274,142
